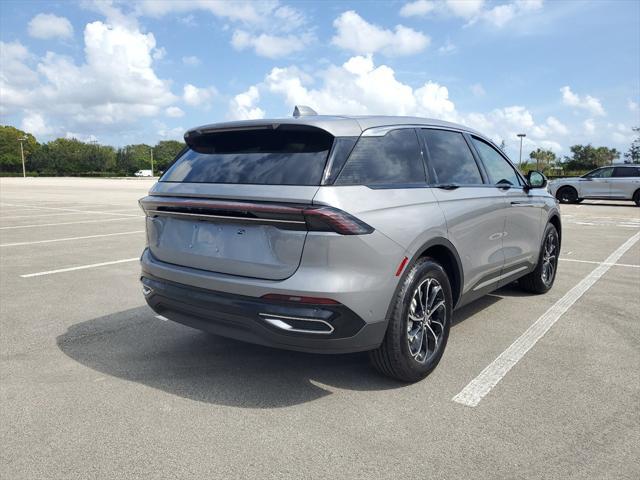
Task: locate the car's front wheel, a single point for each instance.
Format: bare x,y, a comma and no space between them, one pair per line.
568,195
419,324
542,278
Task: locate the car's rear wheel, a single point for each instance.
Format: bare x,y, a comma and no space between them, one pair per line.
542,278
419,324
636,198
567,195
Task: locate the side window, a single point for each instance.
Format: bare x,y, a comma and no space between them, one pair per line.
601,173
498,168
392,159
451,159
626,172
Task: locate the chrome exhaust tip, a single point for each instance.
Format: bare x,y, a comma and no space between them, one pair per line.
298,324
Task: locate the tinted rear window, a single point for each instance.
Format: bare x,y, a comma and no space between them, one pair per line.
390,160
288,155
626,172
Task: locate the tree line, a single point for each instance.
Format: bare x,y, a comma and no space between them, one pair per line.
70,156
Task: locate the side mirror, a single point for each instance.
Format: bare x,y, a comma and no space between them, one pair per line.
536,179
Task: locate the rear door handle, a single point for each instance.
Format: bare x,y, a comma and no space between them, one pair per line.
522,204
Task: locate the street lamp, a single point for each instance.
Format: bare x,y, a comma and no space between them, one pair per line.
521,135
24,170
151,151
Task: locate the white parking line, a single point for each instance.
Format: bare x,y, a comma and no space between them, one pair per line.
81,267
98,212
70,223
67,239
600,263
490,376
50,214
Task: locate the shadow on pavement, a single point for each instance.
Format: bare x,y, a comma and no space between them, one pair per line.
136,346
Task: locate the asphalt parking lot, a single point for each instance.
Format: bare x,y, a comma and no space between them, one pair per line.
93,385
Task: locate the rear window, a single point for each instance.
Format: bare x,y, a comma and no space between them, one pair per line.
288,155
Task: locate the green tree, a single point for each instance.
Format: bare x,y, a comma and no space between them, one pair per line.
64,156
543,158
587,157
10,159
633,154
132,158
165,152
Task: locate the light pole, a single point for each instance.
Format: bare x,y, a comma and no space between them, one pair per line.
521,135
151,151
24,170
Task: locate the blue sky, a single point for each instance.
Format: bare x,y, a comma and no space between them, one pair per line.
563,72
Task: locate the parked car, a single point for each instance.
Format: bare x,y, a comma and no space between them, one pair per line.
144,173
619,182
343,234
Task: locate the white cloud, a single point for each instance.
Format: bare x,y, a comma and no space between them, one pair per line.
588,103
589,126
243,106
632,106
419,8
198,97
447,48
473,11
557,126
465,8
355,34
113,87
35,124
354,88
174,112
82,137
166,133
478,90
159,53
191,60
271,46
48,25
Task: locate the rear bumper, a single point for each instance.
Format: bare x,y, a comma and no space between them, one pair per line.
247,318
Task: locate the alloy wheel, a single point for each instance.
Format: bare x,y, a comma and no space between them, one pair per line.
549,258
426,320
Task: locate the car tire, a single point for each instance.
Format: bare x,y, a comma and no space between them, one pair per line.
636,198
567,195
542,278
399,356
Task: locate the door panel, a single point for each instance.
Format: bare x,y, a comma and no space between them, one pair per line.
475,219
624,182
523,227
596,183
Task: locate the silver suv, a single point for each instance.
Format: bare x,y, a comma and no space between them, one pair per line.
336,234
621,182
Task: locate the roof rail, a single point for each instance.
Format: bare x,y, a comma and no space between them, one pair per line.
303,111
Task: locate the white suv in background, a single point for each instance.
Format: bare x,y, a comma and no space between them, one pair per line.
621,182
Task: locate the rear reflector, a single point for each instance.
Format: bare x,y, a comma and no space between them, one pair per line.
293,298
403,264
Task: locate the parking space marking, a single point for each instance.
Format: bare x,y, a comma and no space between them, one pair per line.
81,267
50,214
13,227
480,386
98,212
67,239
599,263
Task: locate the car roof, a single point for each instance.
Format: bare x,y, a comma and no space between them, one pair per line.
336,125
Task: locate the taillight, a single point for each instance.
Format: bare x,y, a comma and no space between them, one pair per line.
287,216
328,218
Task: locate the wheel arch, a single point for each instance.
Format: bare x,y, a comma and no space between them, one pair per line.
554,219
444,252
